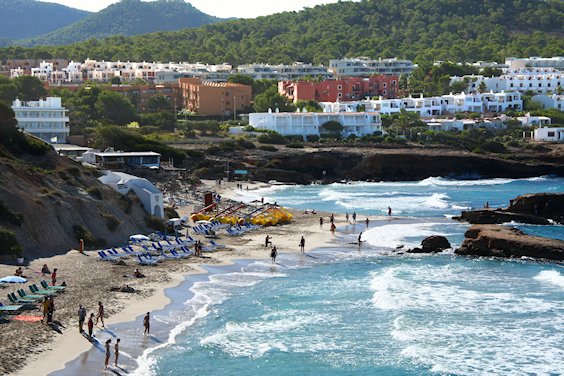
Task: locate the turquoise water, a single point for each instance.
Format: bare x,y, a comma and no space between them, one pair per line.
369,314
350,312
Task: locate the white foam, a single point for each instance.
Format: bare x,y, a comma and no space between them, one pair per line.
391,236
551,276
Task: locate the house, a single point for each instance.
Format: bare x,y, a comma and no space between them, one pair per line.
311,123
539,80
549,134
46,119
214,98
111,159
533,121
149,195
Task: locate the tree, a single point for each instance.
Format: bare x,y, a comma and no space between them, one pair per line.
458,86
331,128
270,99
242,79
115,80
309,106
159,103
29,88
482,88
8,90
115,108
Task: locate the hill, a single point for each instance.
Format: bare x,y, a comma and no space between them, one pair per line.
29,18
128,17
421,30
48,202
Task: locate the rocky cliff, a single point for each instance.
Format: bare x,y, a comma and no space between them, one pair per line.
501,241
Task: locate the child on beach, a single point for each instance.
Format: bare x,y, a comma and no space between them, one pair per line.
107,353
146,323
45,269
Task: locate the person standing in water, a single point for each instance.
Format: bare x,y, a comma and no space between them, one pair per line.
302,244
367,221
359,239
116,351
389,211
354,216
146,324
107,353
273,254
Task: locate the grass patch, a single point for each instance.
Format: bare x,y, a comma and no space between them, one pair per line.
111,221
10,245
95,192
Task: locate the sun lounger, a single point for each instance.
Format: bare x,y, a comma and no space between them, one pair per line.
35,290
179,255
105,257
142,260
23,294
46,287
217,245
27,303
11,309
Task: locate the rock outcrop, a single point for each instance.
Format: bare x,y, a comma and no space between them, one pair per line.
432,244
501,241
535,209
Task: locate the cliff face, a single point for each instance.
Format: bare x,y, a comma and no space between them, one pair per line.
57,202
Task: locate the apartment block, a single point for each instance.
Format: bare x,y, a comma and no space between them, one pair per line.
365,67
46,119
214,98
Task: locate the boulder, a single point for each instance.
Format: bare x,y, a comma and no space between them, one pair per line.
432,244
498,216
502,241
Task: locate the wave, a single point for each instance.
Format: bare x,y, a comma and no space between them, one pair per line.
551,276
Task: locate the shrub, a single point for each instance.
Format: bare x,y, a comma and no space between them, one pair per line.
294,138
7,216
194,153
95,192
170,212
73,171
312,138
493,147
246,143
249,128
155,223
111,221
213,150
267,148
272,138
63,175
10,245
295,145
81,232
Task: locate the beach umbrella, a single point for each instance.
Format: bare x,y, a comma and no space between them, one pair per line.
139,238
13,279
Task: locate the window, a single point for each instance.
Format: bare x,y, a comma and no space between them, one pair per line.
339,87
385,84
551,134
340,95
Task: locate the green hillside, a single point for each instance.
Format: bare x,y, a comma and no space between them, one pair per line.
421,30
28,18
128,17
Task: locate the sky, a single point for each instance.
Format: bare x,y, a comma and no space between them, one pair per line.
219,8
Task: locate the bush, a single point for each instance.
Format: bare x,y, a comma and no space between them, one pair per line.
246,143
272,138
7,216
493,147
10,245
155,223
213,150
295,145
249,128
267,148
111,221
194,153
95,192
312,138
170,212
81,232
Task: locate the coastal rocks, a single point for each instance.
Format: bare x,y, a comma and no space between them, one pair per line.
535,209
501,241
432,244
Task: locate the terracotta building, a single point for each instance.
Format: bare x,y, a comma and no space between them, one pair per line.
346,89
214,98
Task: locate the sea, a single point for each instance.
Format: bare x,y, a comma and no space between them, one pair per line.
365,310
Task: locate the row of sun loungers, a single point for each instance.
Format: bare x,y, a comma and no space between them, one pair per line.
30,300
241,229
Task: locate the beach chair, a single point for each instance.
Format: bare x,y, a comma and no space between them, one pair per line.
130,252
179,255
11,309
27,303
142,260
46,286
217,245
105,257
35,290
22,293
185,251
116,254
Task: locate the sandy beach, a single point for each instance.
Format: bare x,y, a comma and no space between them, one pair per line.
35,348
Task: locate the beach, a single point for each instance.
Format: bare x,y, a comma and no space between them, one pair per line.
42,350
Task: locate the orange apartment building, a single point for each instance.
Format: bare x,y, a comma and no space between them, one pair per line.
214,98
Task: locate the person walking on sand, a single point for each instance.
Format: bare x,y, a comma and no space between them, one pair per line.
302,244
116,351
389,211
267,241
100,316
320,221
107,353
273,254
45,309
81,317
332,218
146,323
54,277
91,325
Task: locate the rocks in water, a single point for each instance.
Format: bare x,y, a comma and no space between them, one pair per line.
432,244
535,209
501,241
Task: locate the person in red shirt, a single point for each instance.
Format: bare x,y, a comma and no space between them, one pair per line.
54,277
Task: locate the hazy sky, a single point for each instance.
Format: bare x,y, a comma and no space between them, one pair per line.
220,8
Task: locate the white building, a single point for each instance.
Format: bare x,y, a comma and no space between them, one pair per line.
310,123
465,124
549,134
556,62
538,80
364,66
550,101
534,121
149,195
296,71
434,106
46,119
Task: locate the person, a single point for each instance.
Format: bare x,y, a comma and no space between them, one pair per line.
262,200
332,218
138,274
267,241
487,205
313,211
64,284
367,221
107,353
100,314
50,310
306,212
116,351
354,216
146,323
333,228
45,309
19,272
360,239
320,221
45,269
81,317
347,216
90,325
389,211
273,254
302,244
54,277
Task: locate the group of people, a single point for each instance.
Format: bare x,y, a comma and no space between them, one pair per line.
198,248
240,186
